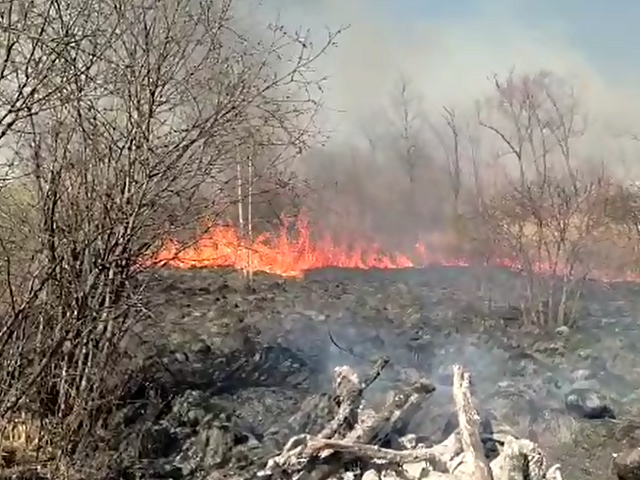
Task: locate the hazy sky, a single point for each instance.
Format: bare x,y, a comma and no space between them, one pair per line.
449,48
604,32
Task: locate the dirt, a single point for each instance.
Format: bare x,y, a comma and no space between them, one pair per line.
239,370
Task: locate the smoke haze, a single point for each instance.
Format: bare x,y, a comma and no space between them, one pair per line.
448,53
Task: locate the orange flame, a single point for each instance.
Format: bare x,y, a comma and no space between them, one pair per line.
292,251
284,253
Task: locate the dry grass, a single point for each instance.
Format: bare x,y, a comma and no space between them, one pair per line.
23,442
28,445
610,251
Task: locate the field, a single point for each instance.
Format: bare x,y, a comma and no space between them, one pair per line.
234,365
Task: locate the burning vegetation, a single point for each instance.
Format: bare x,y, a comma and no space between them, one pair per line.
140,133
290,252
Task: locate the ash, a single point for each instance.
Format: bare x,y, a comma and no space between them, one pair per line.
236,373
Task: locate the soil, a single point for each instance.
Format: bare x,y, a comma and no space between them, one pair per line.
235,371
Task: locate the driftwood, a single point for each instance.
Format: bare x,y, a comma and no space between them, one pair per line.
356,435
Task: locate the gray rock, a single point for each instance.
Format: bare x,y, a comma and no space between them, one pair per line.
626,465
588,403
371,475
582,374
590,384
191,408
417,470
209,450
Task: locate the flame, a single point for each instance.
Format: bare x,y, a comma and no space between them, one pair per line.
294,250
290,252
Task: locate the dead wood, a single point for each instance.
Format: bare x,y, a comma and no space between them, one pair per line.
469,426
349,390
357,435
400,407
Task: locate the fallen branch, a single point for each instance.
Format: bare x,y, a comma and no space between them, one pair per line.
461,456
349,390
400,407
469,427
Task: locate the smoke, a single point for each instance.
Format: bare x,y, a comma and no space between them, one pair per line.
447,54
524,386
362,185
446,59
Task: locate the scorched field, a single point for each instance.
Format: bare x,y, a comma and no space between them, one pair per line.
240,370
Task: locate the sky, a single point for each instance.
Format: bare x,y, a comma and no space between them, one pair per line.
605,32
448,49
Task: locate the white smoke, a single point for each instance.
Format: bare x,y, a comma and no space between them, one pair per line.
449,60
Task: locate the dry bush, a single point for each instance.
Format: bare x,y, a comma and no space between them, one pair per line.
546,212
122,123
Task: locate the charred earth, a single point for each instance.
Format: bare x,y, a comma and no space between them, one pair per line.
235,372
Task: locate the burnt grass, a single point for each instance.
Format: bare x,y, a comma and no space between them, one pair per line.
233,371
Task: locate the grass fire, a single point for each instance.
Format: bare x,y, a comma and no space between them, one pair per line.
290,252
297,248
232,248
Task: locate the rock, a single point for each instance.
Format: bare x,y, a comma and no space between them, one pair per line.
159,441
588,403
192,407
416,470
509,464
409,441
388,475
371,475
626,465
439,476
549,380
587,384
585,353
209,450
582,374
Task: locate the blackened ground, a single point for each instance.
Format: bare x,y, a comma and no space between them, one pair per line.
235,371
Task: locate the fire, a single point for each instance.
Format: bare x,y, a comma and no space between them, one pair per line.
290,252
294,250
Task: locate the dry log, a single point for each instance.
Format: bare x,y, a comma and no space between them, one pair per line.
371,429
469,425
400,407
349,390
519,460
461,456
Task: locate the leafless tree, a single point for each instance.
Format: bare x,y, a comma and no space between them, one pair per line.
124,123
452,142
550,211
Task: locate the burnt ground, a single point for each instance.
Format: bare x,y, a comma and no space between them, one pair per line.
235,371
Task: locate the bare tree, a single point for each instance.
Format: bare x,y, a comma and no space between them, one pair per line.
407,127
406,110
549,213
126,133
452,142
